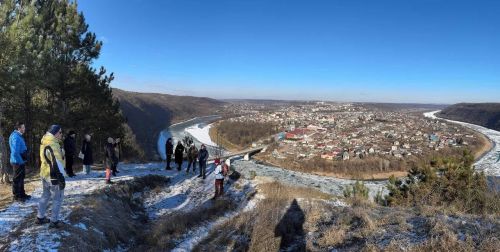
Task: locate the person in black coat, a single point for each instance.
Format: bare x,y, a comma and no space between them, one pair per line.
202,158
69,152
179,155
88,159
169,149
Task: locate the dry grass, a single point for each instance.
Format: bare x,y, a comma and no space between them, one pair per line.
107,216
275,190
165,231
361,227
281,219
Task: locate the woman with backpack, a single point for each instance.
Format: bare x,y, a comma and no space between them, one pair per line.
221,170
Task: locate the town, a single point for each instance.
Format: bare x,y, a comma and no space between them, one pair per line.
349,131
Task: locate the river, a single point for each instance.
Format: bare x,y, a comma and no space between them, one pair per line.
488,162
198,129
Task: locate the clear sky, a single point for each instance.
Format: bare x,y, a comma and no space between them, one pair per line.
427,51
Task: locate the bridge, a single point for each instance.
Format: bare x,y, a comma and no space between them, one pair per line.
245,153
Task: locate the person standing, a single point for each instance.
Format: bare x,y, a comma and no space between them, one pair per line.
169,149
88,159
179,155
202,158
116,149
69,151
52,175
192,156
220,172
110,159
18,158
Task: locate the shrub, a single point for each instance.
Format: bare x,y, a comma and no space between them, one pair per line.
452,183
356,190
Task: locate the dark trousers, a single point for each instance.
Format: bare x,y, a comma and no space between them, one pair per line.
18,180
69,165
193,163
219,187
114,167
203,168
169,160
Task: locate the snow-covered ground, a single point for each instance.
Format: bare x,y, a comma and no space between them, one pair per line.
185,192
325,184
488,163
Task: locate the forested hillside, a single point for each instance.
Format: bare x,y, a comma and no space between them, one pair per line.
484,114
148,114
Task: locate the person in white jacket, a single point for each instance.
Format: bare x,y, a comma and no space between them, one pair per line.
220,172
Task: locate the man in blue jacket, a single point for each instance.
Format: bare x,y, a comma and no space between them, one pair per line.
18,157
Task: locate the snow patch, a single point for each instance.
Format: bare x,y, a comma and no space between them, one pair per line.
201,133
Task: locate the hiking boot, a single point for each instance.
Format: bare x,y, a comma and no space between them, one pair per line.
168,168
109,182
41,221
114,174
199,176
56,224
26,197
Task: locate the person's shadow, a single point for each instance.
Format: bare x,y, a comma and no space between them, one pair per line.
290,229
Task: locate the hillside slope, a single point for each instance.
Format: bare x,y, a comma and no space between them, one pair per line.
147,114
484,114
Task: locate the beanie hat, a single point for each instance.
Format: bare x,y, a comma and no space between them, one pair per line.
217,161
54,129
71,132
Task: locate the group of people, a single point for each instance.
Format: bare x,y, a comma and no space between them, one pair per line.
56,162
195,156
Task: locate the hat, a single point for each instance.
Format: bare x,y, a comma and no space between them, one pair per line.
217,161
54,129
71,132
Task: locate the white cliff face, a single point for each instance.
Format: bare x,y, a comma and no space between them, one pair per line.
488,163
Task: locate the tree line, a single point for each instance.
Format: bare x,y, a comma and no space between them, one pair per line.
245,133
46,73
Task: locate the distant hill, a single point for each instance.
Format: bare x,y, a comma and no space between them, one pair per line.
404,106
148,114
484,114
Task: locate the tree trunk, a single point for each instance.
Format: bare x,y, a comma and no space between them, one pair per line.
4,165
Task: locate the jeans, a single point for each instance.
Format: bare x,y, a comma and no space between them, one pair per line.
57,198
87,169
18,180
203,168
193,163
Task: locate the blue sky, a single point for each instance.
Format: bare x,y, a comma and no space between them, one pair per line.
427,51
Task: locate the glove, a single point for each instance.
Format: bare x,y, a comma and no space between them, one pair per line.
24,155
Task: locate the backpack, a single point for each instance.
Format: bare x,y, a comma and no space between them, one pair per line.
225,169
56,177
